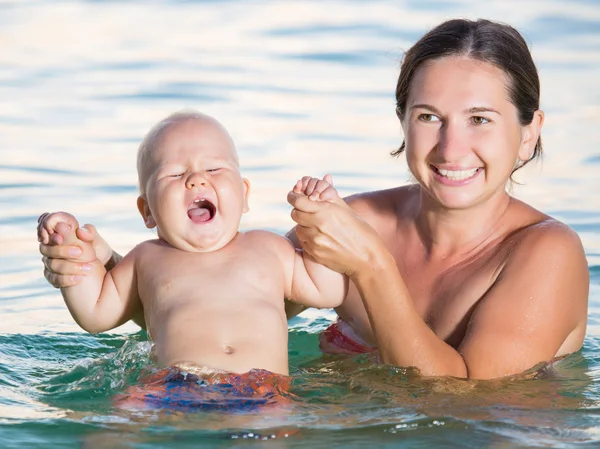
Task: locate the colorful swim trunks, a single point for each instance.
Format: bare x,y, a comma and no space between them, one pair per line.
178,390
340,338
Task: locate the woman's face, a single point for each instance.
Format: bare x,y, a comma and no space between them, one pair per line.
462,133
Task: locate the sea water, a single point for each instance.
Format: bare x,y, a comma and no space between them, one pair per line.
304,87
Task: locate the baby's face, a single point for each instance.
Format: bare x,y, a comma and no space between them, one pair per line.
195,194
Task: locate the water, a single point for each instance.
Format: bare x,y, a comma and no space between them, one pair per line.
305,88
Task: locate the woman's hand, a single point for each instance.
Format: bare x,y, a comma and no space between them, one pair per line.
62,264
332,233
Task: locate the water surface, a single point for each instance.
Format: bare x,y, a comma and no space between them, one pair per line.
305,88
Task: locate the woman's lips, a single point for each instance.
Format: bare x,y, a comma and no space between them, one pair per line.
457,176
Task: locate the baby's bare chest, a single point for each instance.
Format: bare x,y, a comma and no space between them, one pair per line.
176,279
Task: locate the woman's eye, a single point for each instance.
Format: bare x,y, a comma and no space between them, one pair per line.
178,175
480,120
428,118
212,170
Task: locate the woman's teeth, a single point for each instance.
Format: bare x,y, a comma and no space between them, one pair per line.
457,175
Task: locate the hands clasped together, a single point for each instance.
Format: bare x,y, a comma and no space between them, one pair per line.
330,230
327,230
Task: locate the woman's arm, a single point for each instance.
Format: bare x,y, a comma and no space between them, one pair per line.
536,309
536,306
335,236
403,338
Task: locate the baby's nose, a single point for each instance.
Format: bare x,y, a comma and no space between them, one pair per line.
195,180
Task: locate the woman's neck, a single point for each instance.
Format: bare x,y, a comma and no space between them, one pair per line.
454,232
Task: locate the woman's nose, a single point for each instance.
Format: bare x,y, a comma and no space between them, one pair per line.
453,144
195,179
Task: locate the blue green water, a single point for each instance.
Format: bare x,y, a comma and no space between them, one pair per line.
305,88
71,378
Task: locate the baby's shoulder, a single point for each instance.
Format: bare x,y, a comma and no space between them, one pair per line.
147,247
261,236
270,242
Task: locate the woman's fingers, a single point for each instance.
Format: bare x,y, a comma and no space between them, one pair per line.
62,280
333,234
59,251
65,267
300,218
42,233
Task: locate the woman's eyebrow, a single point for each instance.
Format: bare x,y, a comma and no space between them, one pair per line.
472,110
482,109
426,106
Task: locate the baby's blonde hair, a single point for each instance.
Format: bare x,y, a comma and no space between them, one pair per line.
152,139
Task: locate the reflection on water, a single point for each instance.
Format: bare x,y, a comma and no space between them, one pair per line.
305,88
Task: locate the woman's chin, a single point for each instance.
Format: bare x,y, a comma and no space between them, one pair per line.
454,200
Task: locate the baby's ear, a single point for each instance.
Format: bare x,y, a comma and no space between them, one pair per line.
144,209
246,194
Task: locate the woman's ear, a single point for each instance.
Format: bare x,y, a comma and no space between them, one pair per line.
246,187
144,209
530,135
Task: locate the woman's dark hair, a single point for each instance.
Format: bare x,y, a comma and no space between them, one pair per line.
492,42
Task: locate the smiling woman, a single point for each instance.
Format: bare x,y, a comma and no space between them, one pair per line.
452,275
473,127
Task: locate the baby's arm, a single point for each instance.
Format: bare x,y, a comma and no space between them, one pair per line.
49,238
313,284
101,301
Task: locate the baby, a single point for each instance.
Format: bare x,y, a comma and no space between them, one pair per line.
211,296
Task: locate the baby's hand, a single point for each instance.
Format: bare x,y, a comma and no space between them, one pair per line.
62,228
317,189
46,229
68,236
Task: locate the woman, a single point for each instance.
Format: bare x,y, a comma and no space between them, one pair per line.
451,275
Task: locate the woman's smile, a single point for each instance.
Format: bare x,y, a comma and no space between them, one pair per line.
455,176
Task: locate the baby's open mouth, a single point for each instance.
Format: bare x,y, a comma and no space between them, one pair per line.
201,211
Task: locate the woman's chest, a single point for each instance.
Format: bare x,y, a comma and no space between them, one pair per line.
445,292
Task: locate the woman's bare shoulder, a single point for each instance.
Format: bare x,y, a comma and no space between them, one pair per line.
383,201
544,235
532,222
